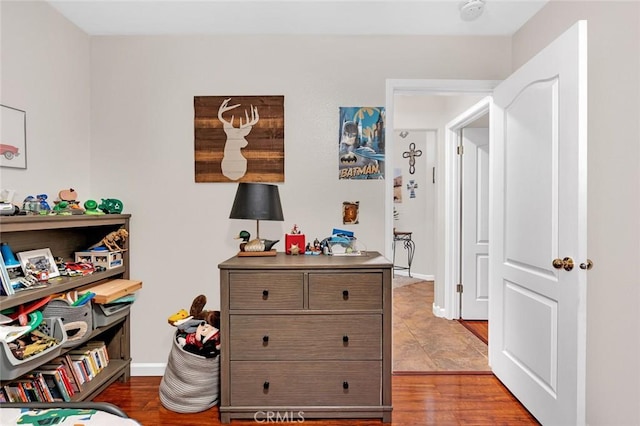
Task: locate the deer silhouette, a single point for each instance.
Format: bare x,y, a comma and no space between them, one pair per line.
234,164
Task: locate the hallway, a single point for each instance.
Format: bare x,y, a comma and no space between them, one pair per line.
424,343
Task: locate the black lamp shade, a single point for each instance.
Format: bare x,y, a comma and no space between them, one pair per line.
257,201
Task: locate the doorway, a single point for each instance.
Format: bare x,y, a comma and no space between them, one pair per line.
446,345
467,142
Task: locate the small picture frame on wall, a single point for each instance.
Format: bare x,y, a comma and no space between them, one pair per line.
35,262
13,137
350,212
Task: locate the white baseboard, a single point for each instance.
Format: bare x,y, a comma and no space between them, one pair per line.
438,311
148,369
414,275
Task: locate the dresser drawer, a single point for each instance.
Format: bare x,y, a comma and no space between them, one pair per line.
349,291
305,337
331,383
266,291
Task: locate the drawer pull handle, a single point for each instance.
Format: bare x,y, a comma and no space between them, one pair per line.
345,338
345,385
265,385
265,294
345,294
265,339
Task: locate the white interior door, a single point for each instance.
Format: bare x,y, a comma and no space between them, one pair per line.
538,193
475,224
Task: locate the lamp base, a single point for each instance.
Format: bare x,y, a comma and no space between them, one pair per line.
257,253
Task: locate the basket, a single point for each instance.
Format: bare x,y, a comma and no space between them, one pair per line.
191,382
12,367
77,320
104,315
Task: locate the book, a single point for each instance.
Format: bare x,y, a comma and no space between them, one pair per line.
41,384
82,360
63,376
68,375
77,376
55,385
23,394
13,393
101,347
78,367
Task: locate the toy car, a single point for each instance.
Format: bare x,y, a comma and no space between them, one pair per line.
9,151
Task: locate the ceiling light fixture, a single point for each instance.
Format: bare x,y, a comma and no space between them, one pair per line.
471,10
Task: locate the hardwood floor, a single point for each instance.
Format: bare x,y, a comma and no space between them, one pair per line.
440,399
479,328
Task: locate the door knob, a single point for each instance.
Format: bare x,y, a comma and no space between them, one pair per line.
588,265
566,263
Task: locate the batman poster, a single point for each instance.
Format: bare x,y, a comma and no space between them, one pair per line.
361,152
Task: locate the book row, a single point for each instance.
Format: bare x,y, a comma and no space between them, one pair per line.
60,379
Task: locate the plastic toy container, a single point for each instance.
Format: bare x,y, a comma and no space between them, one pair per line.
12,367
104,315
77,320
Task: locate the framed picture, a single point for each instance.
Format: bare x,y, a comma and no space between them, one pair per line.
13,137
38,261
6,281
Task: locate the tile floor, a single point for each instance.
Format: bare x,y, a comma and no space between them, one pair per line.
425,343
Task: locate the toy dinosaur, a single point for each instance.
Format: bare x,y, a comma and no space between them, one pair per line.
113,240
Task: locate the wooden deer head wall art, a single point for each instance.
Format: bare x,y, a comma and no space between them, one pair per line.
239,138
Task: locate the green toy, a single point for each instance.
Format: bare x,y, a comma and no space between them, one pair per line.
111,206
91,207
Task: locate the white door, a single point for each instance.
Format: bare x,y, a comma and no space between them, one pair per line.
537,316
475,224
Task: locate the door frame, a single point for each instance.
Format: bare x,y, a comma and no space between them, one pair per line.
452,257
446,179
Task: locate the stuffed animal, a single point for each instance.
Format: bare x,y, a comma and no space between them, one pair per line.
205,341
178,316
197,311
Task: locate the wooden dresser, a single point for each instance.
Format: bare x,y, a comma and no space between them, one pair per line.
305,337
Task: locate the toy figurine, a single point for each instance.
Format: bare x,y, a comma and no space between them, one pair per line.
70,196
111,206
44,206
91,207
62,208
113,241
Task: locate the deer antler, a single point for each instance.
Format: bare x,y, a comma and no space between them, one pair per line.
254,117
224,108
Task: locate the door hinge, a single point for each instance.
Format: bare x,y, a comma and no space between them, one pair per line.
459,288
460,149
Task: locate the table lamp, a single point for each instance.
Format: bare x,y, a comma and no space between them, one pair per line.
258,201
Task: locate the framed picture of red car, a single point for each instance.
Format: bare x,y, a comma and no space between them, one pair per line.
13,137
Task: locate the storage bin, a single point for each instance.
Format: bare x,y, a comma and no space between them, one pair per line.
76,320
12,367
191,383
104,315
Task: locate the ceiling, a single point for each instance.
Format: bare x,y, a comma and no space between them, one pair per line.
313,17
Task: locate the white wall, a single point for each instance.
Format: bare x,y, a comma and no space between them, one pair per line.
613,318
45,72
142,120
133,139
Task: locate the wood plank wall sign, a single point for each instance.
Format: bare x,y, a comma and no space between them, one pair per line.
239,138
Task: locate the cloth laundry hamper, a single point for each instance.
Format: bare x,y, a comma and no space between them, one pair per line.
191,383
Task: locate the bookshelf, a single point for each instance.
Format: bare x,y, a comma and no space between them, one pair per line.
65,235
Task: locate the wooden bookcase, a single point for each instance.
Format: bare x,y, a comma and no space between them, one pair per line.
64,235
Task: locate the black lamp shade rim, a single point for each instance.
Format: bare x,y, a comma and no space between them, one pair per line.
258,201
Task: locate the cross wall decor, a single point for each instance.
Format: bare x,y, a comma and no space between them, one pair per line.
411,155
